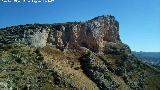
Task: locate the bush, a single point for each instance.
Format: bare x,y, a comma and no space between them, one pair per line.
40,56
116,49
15,51
18,60
6,47
37,51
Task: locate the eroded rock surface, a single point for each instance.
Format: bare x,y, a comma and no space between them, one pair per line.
98,60
92,34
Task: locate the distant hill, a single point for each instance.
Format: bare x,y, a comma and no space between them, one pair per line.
149,57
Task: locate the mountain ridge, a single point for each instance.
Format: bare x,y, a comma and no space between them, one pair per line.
76,55
92,34
149,57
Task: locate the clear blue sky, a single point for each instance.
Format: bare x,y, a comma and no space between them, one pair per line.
139,19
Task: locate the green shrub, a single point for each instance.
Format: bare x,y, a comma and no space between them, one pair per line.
18,60
6,47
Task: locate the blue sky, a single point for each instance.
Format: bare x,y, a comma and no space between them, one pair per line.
139,19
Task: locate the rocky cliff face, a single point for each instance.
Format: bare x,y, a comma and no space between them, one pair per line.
92,34
26,67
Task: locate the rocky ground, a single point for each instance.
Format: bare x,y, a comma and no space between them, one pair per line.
47,68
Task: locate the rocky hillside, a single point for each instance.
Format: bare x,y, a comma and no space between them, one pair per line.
73,56
92,34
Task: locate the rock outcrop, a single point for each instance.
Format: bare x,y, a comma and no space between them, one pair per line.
92,34
98,60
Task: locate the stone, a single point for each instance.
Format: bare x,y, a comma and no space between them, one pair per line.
92,34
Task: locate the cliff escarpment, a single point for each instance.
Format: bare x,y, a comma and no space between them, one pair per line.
72,56
92,34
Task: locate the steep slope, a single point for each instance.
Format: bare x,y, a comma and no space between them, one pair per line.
92,34
80,55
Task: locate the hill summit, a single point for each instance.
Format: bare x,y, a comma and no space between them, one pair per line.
92,34
71,56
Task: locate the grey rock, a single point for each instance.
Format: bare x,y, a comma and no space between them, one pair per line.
92,34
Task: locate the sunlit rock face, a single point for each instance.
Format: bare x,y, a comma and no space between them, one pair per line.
99,31
93,34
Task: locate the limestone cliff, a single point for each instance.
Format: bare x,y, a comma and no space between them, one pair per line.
98,60
92,34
